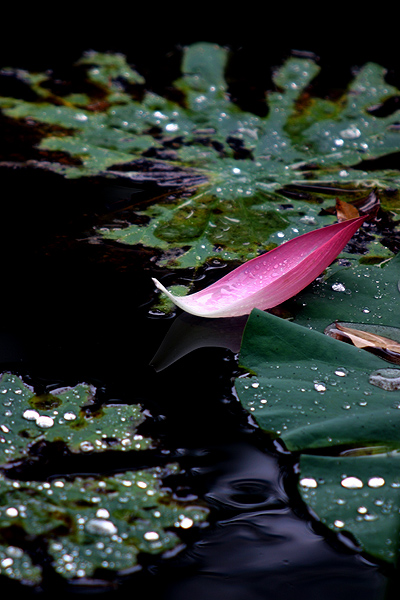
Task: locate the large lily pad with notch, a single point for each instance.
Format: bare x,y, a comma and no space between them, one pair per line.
313,391
91,523
231,164
316,393
64,416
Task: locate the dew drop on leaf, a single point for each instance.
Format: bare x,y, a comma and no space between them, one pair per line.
375,482
44,422
338,523
30,415
86,446
69,416
351,483
101,527
341,372
386,379
151,536
308,482
319,387
338,287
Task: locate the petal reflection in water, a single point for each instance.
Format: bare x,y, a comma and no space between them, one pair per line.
188,332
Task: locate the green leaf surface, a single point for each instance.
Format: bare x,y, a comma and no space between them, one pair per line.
16,564
354,294
320,395
313,391
106,68
230,160
357,494
93,523
63,416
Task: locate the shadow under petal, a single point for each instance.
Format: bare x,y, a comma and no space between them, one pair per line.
188,332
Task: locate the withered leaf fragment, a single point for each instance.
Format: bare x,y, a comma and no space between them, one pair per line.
345,211
365,339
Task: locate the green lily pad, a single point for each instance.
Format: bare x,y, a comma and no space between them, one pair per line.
316,393
357,293
106,69
63,417
358,494
94,523
232,164
313,391
16,564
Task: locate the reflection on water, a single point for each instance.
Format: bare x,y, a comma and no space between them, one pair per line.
188,333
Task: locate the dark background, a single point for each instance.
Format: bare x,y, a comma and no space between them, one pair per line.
49,35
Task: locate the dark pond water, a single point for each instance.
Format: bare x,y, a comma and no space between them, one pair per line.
77,310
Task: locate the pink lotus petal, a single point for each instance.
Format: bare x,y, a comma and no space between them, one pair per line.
272,278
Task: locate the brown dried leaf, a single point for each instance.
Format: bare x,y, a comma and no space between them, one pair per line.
345,211
364,339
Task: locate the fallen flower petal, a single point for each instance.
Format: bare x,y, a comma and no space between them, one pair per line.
272,278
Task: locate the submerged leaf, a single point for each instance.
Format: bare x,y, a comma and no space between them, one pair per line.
271,278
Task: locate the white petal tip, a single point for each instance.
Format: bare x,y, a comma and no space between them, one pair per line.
158,284
165,291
